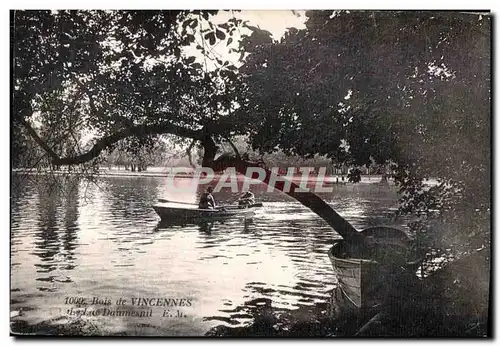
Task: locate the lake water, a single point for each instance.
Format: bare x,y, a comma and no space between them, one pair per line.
105,241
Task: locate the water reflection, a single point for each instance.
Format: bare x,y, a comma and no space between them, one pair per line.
70,230
44,227
127,197
203,225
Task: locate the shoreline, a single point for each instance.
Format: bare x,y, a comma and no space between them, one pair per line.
331,179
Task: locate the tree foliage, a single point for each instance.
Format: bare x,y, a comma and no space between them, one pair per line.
403,87
108,71
138,156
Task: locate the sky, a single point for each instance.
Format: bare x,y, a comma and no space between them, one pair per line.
276,22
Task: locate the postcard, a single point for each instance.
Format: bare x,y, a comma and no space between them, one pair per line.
225,173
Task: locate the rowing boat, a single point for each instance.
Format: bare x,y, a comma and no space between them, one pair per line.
169,211
365,279
354,278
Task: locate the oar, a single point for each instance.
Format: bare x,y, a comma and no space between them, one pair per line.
235,206
162,200
255,205
167,201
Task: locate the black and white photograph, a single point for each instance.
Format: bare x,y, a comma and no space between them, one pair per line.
251,173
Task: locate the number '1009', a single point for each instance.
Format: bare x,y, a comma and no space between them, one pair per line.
74,300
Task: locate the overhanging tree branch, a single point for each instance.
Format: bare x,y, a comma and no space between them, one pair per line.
105,142
38,140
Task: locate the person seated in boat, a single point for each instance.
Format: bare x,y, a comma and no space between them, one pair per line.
247,198
207,201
